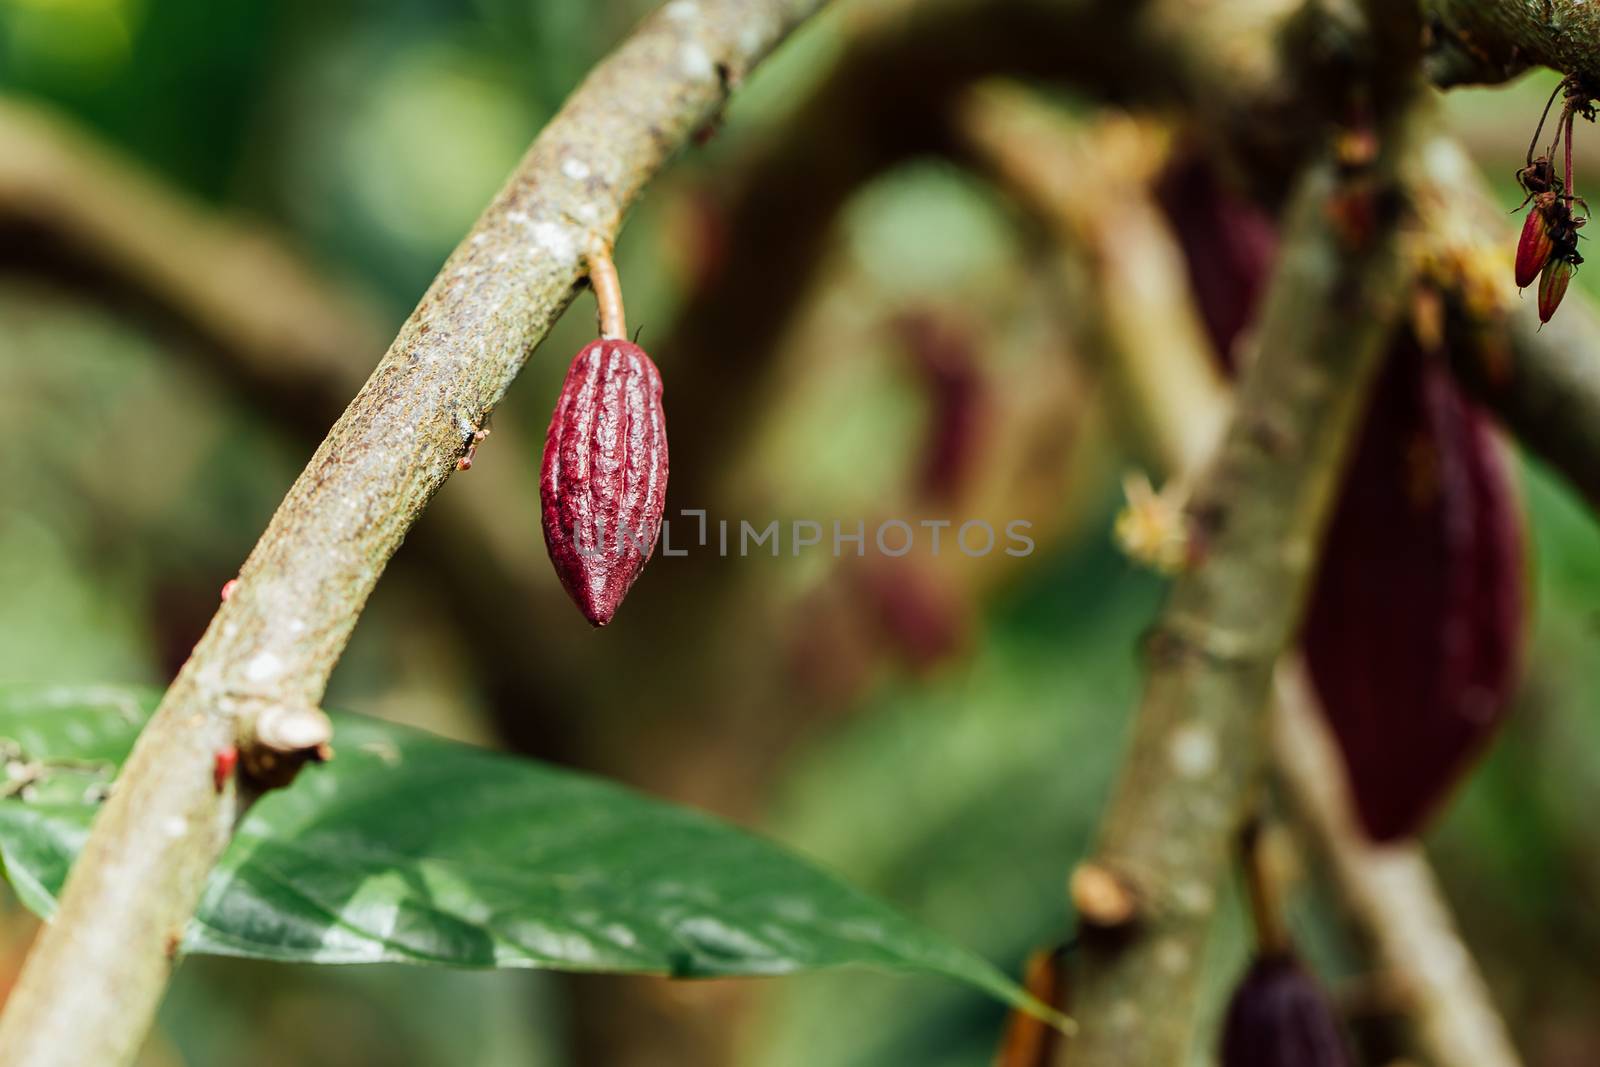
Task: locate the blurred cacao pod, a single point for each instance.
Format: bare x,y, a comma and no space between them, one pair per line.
1280,1017
1229,245
1413,628
1553,281
921,613
945,356
603,486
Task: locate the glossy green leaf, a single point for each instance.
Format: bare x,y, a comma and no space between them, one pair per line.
409,848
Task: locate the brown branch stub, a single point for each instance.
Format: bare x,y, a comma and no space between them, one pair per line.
91,985
1264,883
280,739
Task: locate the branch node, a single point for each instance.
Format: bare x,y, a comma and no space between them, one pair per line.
281,739
1102,898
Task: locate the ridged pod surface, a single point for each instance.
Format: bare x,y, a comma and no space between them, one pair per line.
603,486
1280,1017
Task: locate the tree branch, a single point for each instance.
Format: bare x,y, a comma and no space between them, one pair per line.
90,987
1495,40
1260,511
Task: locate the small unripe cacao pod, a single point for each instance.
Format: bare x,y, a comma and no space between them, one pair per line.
603,486
1534,246
1280,1017
1553,286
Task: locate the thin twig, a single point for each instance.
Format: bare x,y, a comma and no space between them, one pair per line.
90,987
1566,173
1545,114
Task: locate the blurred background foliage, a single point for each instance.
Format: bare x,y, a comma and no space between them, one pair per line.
942,736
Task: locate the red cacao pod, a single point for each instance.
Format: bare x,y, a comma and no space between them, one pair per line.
1553,286
1280,1017
603,487
1413,628
1414,623
1533,247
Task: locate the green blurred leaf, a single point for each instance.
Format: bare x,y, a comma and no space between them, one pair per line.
409,848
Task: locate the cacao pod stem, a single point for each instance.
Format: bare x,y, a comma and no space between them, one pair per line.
607,295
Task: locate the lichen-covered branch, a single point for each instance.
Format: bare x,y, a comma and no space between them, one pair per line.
1260,509
90,987
1495,40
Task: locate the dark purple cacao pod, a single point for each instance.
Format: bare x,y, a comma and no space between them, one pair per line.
1280,1017
603,487
1413,629
1414,624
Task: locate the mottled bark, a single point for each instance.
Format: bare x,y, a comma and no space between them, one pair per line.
1495,40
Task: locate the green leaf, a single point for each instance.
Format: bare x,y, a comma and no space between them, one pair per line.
409,848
